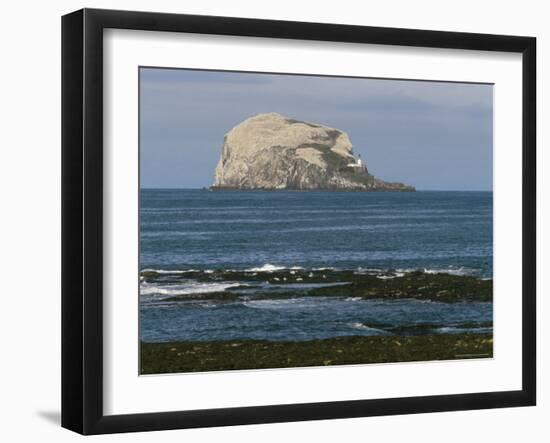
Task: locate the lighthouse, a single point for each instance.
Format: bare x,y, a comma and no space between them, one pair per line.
357,163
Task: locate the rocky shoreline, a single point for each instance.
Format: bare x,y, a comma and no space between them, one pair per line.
399,188
161,358
366,284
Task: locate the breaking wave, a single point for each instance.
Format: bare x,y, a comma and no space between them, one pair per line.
185,289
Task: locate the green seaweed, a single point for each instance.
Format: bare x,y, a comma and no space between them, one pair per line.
391,285
159,358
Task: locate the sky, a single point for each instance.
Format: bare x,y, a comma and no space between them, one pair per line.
431,135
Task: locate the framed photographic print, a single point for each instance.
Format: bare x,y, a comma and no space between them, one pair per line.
269,221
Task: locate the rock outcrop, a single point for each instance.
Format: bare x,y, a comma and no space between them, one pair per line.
270,151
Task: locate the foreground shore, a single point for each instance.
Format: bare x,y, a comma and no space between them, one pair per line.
159,358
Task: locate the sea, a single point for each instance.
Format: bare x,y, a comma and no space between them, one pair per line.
213,255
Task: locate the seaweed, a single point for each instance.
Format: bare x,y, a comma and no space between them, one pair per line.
159,358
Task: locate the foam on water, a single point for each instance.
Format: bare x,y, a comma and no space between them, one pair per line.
191,287
272,268
380,272
170,271
450,271
287,303
364,327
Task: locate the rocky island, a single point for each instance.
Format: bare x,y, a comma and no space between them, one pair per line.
270,151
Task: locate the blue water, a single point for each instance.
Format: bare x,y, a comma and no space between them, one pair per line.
261,231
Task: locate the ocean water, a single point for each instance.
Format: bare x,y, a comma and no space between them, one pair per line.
192,240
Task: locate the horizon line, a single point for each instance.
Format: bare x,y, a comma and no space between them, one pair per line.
309,190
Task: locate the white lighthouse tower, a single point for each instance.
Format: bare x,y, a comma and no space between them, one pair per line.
357,163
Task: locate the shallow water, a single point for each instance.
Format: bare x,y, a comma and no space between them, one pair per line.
307,318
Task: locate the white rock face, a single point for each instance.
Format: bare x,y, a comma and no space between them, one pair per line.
271,151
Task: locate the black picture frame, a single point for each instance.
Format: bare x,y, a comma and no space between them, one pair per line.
82,218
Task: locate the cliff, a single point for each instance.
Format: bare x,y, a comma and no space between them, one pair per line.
270,151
